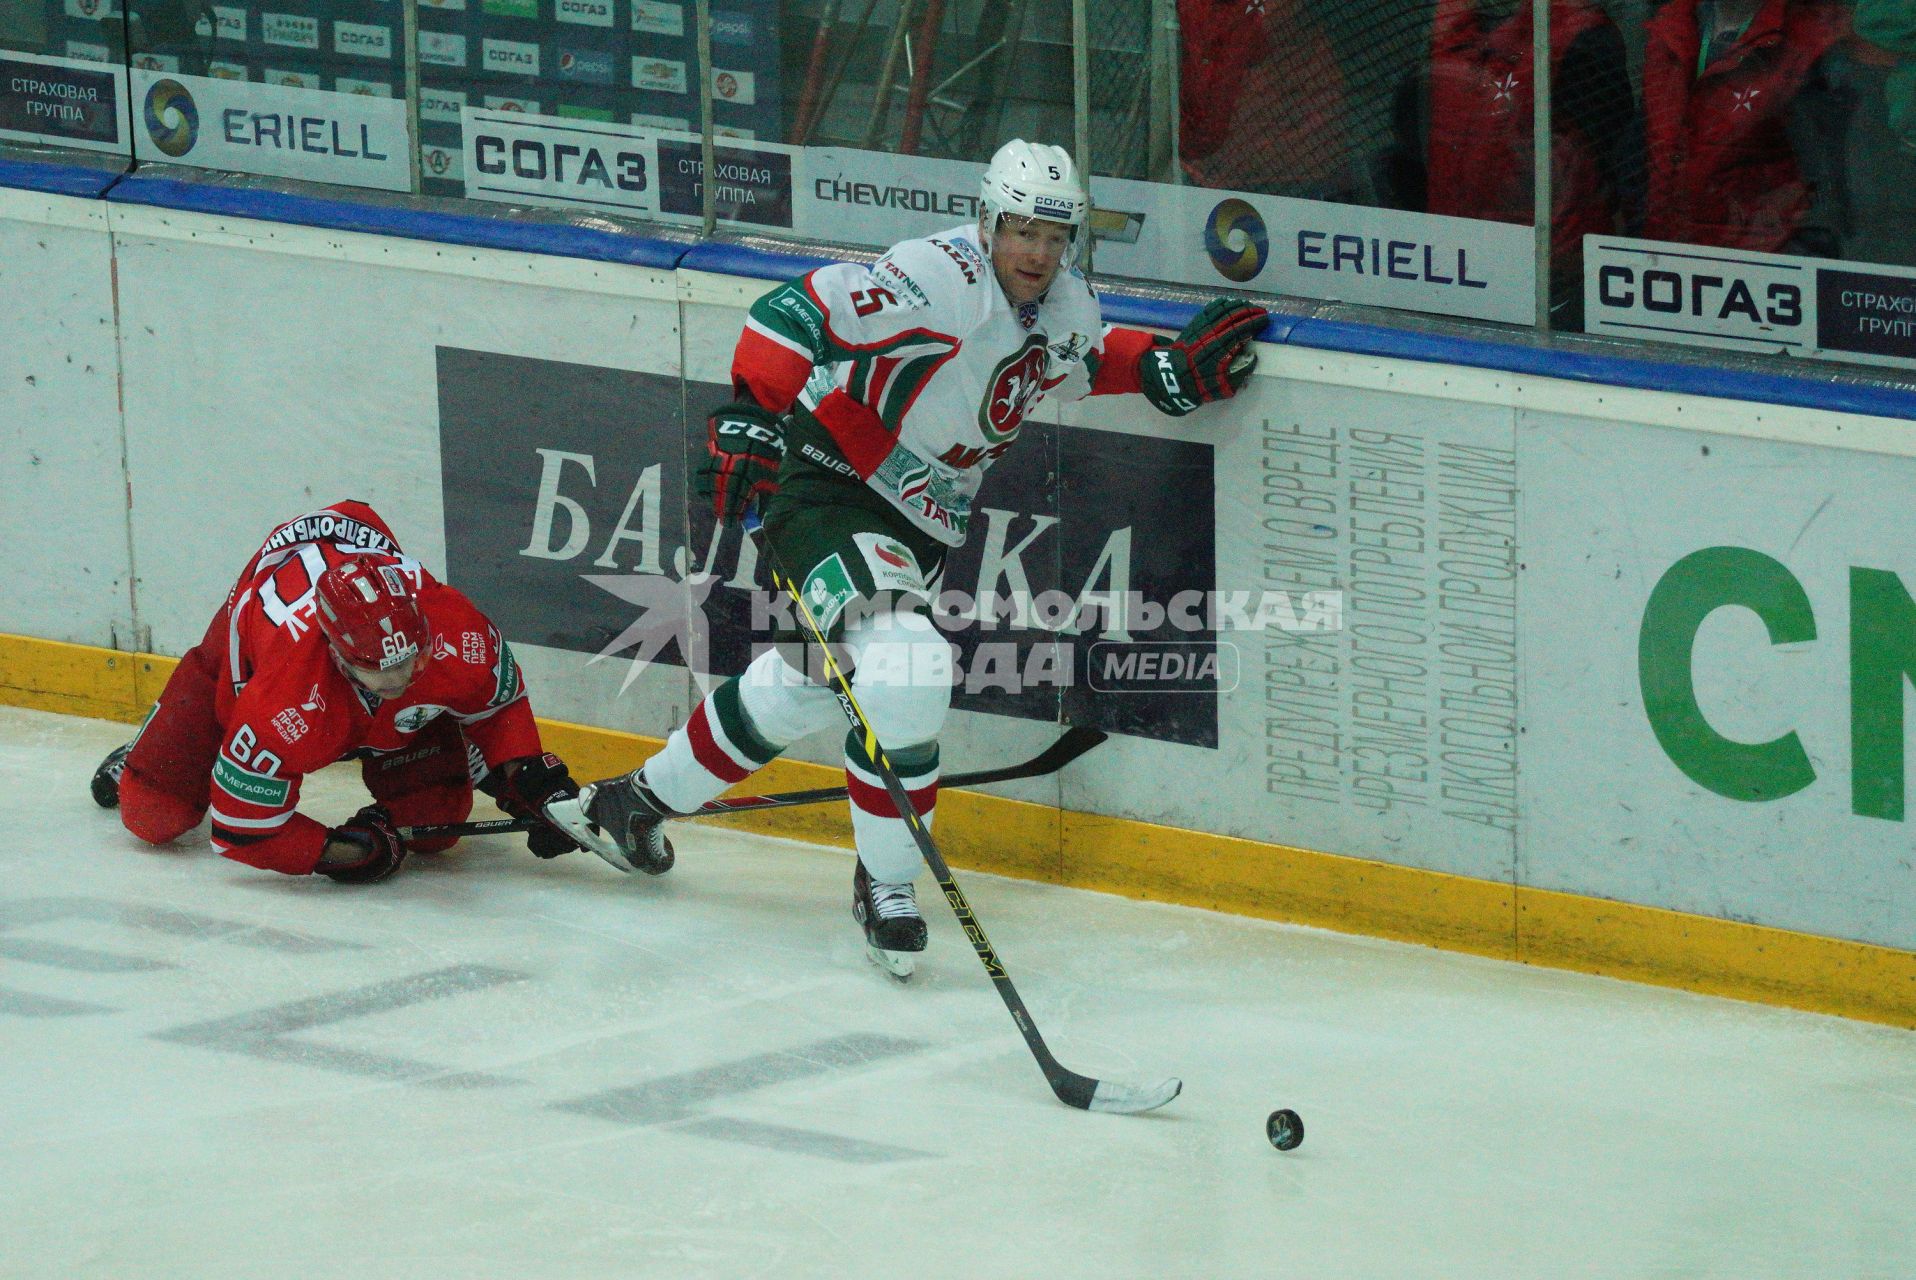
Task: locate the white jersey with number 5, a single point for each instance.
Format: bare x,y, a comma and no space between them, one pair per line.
922,370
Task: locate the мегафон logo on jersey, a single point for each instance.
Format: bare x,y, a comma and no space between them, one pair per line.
1070,595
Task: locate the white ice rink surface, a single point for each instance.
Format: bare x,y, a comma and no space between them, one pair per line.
492,1066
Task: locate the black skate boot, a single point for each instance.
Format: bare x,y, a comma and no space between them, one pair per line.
620,820
106,778
894,930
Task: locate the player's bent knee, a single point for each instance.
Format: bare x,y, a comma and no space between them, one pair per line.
155,816
903,676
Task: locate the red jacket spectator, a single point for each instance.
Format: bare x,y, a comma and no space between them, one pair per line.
1464,129
1746,152
1261,101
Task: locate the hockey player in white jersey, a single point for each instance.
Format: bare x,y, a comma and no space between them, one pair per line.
870,401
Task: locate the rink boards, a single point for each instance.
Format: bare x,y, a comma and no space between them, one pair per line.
1619,683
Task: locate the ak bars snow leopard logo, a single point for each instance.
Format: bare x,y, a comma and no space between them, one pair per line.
565,486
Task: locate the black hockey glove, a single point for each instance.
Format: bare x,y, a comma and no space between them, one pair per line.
371,831
1209,361
533,784
744,446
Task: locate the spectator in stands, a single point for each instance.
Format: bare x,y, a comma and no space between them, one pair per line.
1882,150
1464,138
1745,114
1262,103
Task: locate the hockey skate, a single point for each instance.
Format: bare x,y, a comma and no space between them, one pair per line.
620,820
894,930
106,778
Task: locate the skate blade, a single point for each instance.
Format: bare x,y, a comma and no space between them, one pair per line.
898,964
569,815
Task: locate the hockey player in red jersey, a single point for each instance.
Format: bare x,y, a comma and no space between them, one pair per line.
334,644
869,402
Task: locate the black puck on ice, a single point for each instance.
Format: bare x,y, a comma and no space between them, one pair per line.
1285,1129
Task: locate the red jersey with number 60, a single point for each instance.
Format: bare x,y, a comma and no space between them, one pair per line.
287,708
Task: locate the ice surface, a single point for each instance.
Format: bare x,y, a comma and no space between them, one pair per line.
492,1066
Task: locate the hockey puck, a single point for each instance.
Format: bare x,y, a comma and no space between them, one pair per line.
1285,1129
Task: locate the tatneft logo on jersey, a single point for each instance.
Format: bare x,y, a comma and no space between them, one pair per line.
442,48
510,56
587,66
658,75
654,18
362,40
294,31
586,13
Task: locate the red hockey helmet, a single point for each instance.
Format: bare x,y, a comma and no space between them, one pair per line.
370,613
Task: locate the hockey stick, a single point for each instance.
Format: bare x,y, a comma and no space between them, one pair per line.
1072,1089
1074,743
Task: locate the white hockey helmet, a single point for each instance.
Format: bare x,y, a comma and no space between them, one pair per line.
1033,180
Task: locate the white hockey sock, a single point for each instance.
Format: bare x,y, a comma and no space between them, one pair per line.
740,727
